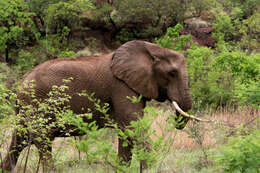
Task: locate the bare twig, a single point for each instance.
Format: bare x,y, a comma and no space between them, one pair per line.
38,165
1,159
251,120
28,152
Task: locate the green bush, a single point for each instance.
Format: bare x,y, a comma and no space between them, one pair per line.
67,53
26,61
173,40
220,77
224,28
241,154
6,102
241,66
249,30
249,93
16,26
65,14
210,86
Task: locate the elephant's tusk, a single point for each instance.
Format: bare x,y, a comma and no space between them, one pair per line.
176,106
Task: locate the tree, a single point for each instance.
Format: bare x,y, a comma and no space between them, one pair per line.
66,14
138,19
16,25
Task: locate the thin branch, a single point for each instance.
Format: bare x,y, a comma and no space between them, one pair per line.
38,165
1,159
28,152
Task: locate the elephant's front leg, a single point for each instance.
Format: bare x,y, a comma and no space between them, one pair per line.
124,112
124,152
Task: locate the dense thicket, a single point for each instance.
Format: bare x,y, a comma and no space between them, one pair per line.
33,31
227,74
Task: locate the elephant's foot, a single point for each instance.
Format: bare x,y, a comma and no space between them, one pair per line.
124,152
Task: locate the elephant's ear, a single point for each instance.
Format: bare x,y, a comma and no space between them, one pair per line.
133,63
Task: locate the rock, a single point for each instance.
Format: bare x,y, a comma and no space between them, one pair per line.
196,23
85,52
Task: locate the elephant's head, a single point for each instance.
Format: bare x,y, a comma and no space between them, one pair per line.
154,72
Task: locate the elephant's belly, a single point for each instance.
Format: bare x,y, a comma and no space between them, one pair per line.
84,105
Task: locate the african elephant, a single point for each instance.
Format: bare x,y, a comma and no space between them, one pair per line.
135,68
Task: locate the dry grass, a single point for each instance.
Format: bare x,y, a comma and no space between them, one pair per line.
211,132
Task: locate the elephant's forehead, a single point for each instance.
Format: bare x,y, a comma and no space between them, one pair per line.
173,55
176,60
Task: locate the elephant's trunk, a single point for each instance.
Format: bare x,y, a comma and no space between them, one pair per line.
186,98
186,103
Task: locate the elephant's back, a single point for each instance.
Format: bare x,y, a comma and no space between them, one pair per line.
91,74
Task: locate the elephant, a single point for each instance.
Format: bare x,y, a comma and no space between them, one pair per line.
136,68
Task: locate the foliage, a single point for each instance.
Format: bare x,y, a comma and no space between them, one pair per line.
250,29
154,11
39,6
65,14
217,78
16,25
26,61
249,93
242,66
223,28
67,53
248,7
200,6
139,19
6,101
173,40
204,86
241,154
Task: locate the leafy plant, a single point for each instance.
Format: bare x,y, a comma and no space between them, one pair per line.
26,61
224,28
173,40
67,53
17,27
65,14
241,154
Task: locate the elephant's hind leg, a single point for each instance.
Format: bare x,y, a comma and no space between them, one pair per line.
18,143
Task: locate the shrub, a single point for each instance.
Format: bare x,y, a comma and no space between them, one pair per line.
209,85
26,61
224,29
67,53
6,102
65,14
217,78
250,29
173,40
16,26
241,154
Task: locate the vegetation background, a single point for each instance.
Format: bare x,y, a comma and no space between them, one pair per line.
220,40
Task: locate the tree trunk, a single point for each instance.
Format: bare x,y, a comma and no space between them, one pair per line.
7,55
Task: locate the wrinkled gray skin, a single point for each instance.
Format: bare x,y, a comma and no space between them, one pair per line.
136,68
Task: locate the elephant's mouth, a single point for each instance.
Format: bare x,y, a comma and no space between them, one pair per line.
182,120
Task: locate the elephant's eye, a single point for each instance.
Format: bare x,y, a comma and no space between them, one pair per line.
173,73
